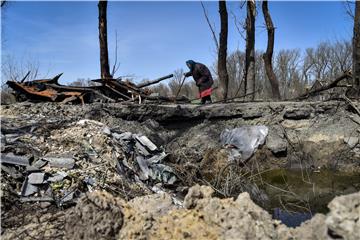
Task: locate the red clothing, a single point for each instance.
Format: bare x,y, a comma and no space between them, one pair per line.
206,92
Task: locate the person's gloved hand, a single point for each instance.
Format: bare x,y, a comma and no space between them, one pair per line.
188,74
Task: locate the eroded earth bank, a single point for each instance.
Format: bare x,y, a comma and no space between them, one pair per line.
116,171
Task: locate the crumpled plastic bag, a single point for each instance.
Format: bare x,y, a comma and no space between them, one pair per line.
244,140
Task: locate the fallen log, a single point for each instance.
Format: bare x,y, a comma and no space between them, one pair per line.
333,84
154,81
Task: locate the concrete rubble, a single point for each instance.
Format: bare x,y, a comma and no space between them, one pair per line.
99,215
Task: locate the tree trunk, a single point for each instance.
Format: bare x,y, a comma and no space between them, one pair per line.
104,58
356,49
269,52
249,84
222,53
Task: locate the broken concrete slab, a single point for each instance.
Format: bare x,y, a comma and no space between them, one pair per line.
351,141
158,158
12,138
11,171
297,114
2,141
146,142
142,149
39,163
60,162
13,159
90,181
107,131
36,178
36,199
126,136
57,177
28,189
143,164
276,142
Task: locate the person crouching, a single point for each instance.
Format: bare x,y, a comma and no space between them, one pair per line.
203,79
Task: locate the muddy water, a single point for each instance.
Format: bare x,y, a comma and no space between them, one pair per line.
296,195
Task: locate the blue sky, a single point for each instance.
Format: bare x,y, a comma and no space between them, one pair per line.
154,38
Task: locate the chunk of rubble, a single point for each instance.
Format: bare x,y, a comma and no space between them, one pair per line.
28,189
60,162
297,114
276,142
36,199
13,159
57,177
36,178
343,221
351,141
125,136
143,140
98,215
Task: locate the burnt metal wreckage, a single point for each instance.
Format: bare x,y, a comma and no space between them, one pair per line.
108,90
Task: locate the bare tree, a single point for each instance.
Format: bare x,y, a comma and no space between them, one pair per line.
287,67
104,56
321,60
235,67
13,70
342,53
162,89
249,84
210,26
222,54
306,67
269,52
116,65
176,81
356,49
83,82
263,87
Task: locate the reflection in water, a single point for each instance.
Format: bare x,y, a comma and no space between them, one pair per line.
291,219
296,195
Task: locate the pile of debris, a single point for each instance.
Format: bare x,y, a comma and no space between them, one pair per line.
80,157
108,90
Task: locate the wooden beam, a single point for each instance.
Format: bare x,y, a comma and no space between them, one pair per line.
155,81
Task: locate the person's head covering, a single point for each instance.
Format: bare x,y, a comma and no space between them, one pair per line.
190,64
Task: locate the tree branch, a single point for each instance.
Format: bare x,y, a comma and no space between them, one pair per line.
210,26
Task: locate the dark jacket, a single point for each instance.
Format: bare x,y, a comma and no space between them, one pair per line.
201,75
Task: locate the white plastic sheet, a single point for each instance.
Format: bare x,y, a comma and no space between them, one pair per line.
244,140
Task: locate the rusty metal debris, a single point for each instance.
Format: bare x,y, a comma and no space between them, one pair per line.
108,90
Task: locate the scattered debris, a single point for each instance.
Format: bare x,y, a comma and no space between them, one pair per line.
74,162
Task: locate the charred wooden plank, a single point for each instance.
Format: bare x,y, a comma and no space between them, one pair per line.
155,81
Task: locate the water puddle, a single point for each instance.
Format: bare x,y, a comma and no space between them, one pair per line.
296,195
